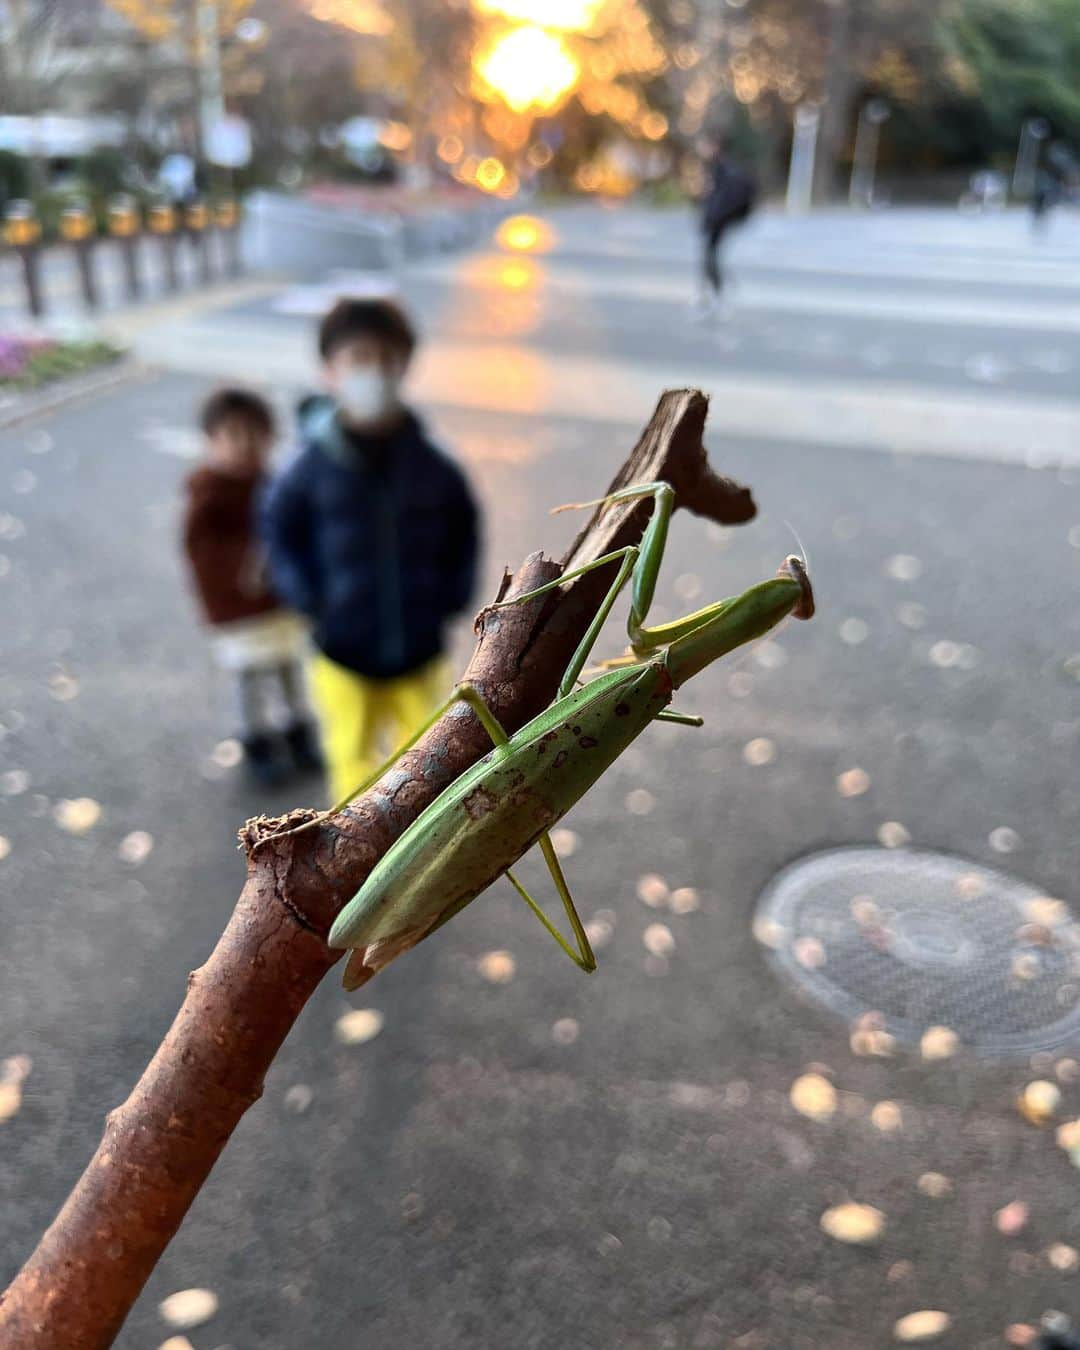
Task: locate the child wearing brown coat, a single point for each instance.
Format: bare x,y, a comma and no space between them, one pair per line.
253,637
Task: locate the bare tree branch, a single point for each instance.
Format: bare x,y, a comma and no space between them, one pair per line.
160,1145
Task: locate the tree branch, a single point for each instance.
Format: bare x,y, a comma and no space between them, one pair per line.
159,1146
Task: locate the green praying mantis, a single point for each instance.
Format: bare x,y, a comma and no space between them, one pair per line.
490,816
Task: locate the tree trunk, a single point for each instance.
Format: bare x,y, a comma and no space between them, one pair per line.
839,93
159,1146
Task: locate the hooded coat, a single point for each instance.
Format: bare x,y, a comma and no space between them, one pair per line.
374,538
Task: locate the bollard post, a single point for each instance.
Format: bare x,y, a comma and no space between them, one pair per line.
161,222
77,228
123,217
227,220
196,218
800,186
872,116
22,230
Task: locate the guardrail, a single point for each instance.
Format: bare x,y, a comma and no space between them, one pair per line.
212,230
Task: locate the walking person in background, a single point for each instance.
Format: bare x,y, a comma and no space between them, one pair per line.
728,199
252,636
372,533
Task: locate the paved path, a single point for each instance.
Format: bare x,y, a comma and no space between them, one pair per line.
555,1161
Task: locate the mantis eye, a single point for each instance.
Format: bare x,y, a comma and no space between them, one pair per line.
796,569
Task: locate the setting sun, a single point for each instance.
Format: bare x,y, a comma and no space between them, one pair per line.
565,16
528,68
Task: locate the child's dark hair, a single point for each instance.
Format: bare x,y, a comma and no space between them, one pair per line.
379,319
242,404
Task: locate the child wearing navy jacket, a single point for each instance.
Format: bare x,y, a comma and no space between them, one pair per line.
372,534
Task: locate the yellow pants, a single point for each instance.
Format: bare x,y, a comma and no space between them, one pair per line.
362,721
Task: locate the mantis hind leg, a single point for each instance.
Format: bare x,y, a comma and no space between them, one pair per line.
463,693
583,957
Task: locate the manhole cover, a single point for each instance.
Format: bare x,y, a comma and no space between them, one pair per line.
925,939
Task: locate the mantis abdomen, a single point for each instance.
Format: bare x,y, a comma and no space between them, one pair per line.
494,813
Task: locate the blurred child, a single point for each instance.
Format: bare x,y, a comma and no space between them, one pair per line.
372,533
252,635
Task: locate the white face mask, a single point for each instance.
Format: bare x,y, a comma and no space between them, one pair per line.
367,394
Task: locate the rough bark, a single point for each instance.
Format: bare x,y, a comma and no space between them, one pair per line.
159,1146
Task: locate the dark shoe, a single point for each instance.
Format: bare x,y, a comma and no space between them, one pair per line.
303,748
264,766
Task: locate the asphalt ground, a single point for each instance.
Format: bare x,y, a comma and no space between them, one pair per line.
555,1160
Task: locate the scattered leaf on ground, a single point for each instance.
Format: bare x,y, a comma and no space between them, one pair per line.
16,1069
640,802
10,1100
227,754
813,1096
852,1223
5,847
599,932
809,952
298,1098
1038,1101
497,967
853,783
1045,909
189,1308
565,1031
136,847
358,1026
1068,1135
652,890
939,1043
925,1325
903,567
935,1185
658,939
1020,1333
891,834
1004,840
564,842
759,751
684,900
1063,1258
768,932
886,1117
1012,1218
77,815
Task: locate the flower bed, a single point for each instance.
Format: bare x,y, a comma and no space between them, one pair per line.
28,362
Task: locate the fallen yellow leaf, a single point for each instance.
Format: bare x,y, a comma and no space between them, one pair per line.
852,1223
77,814
497,967
10,1100
1038,1101
886,1117
814,1096
358,1026
189,1308
925,1325
1068,1135
1063,1257
939,1043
